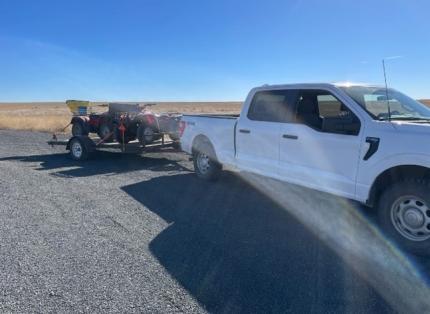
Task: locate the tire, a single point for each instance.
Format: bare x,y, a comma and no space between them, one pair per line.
103,131
78,150
206,166
78,129
146,134
404,215
127,137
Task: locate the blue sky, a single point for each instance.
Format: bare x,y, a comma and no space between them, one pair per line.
206,50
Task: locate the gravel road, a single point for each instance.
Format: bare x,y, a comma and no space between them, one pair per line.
142,234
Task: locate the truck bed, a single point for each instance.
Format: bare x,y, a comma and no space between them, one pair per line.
219,129
216,116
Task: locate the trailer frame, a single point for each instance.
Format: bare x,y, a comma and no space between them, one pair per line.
82,147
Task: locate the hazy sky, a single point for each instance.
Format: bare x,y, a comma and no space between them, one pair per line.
206,50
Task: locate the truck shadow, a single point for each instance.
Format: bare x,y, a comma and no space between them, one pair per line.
235,250
102,163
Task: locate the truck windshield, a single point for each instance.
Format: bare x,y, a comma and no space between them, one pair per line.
397,106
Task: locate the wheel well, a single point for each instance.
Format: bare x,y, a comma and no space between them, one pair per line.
395,174
202,139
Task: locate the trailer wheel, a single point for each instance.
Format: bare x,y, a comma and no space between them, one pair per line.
78,149
78,129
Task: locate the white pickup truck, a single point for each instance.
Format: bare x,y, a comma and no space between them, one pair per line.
361,142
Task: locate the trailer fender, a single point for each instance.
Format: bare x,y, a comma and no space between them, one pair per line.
83,123
80,119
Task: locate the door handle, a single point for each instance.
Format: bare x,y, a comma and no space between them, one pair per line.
244,131
290,137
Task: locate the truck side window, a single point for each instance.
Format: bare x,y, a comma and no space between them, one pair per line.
322,111
272,106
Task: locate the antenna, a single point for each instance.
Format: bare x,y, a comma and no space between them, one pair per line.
386,90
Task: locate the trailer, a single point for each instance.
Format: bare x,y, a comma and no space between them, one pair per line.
138,120
82,147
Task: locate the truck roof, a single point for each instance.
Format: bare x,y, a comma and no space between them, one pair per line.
317,85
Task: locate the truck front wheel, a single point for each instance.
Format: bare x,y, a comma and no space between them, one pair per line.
205,165
404,214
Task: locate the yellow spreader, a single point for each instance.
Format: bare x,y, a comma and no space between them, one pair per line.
78,107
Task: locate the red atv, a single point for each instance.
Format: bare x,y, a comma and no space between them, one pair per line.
137,122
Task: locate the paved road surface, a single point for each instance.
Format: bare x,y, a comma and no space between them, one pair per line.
142,234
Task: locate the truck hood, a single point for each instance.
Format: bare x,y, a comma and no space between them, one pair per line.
411,127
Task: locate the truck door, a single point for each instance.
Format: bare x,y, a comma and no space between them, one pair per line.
257,132
315,151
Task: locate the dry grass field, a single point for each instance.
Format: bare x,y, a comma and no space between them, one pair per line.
53,117
426,101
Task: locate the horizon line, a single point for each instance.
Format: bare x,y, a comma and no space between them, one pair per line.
120,101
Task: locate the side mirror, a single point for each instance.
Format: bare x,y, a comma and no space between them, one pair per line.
348,124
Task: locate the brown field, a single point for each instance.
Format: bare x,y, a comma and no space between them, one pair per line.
426,101
54,116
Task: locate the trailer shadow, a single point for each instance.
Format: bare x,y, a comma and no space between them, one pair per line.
102,163
235,250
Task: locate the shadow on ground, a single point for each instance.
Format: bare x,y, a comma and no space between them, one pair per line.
101,163
235,250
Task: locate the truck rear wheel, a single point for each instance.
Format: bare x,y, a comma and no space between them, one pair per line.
78,149
205,165
404,215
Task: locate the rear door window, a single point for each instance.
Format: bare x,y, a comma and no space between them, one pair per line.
273,106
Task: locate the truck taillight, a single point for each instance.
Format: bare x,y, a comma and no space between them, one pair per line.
182,126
